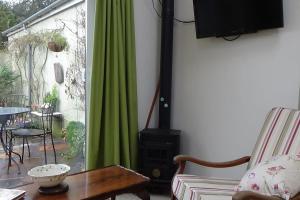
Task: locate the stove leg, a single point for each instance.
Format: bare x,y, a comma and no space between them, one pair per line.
144,195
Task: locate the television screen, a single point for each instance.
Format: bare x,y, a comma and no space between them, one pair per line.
233,17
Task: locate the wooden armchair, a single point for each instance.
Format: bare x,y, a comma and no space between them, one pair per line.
280,135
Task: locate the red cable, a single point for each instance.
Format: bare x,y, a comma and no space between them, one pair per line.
153,104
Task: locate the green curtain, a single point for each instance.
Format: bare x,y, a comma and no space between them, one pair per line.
113,129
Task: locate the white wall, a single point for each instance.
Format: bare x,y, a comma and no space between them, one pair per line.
147,28
5,58
222,90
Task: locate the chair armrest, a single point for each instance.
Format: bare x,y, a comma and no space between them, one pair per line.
247,195
181,161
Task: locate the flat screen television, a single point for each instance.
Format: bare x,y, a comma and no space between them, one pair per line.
221,18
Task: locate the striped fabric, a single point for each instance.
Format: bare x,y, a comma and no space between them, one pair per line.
280,135
190,187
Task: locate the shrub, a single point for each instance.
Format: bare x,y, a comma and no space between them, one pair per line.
7,78
75,138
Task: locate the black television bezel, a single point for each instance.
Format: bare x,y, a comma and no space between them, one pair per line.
247,28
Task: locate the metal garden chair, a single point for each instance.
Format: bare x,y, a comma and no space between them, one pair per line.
44,131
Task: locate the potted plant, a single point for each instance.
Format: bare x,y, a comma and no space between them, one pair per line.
57,42
51,98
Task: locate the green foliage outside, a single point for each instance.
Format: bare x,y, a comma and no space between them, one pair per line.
75,138
25,8
7,20
52,97
15,12
7,17
7,79
20,44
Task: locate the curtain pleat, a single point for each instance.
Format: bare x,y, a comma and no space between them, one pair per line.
113,128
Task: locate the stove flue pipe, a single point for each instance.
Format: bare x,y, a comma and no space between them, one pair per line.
166,64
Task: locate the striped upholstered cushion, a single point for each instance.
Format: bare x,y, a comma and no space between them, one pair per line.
280,134
190,187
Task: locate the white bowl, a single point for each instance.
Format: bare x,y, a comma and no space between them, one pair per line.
49,175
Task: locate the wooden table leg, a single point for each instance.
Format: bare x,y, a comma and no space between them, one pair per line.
144,195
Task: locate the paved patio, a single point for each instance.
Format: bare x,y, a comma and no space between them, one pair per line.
13,179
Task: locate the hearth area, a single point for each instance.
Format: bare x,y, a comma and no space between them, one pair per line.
157,148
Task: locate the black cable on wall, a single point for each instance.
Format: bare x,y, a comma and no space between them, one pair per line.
175,19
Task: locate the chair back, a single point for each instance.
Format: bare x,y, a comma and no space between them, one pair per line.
47,118
2,101
15,100
280,135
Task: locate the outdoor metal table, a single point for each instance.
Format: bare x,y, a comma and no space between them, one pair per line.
6,113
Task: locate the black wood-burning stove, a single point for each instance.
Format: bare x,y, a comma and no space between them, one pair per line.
157,147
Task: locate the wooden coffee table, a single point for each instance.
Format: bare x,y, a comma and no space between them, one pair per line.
96,184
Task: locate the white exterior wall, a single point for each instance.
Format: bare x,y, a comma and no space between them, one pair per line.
90,18
221,90
5,58
66,105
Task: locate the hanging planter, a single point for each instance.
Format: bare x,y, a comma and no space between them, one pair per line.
55,47
57,43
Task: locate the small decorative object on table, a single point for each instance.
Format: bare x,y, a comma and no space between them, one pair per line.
50,177
11,194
